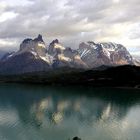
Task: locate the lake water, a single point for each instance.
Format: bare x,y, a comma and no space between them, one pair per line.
35,112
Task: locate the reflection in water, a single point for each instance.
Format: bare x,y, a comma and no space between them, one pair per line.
40,113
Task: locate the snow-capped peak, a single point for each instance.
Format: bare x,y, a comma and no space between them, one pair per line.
104,54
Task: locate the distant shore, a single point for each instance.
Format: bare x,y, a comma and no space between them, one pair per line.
113,77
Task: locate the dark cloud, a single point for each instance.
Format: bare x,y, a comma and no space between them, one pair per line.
72,20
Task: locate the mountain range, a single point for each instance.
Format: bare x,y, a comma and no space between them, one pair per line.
95,64
35,56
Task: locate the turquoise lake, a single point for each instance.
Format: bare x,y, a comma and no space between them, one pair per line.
39,112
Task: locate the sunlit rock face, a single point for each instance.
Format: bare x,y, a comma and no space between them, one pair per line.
56,50
65,57
55,47
95,55
35,46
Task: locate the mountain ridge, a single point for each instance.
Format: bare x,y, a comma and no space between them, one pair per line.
34,55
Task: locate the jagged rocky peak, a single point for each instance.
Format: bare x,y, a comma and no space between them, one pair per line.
55,47
83,45
112,46
25,43
39,39
87,45
118,53
104,54
27,40
55,41
36,46
70,52
91,43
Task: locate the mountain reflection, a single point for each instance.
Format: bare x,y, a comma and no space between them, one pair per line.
85,110
52,107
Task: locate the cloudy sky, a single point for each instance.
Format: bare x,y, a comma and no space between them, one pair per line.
71,21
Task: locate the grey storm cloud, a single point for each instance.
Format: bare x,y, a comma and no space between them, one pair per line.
71,21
